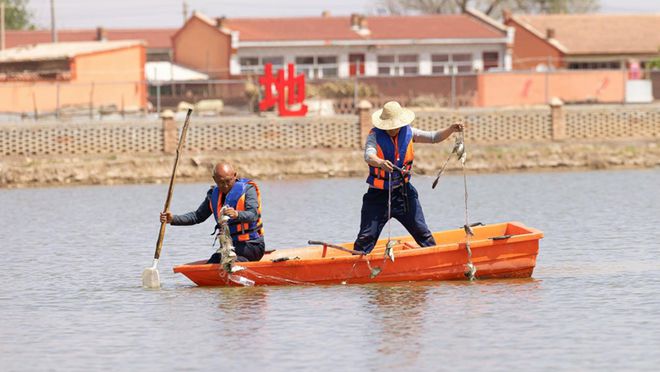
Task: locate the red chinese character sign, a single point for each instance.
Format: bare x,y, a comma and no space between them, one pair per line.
289,90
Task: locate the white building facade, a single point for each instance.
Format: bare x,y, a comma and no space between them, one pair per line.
374,48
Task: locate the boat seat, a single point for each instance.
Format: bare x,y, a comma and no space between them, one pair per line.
408,245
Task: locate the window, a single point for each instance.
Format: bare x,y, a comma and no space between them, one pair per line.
255,65
277,62
491,60
612,65
327,66
249,65
446,64
402,64
386,65
439,64
408,64
317,67
305,65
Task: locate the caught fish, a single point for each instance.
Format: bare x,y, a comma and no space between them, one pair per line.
463,156
470,271
458,146
389,250
375,271
226,246
459,150
228,259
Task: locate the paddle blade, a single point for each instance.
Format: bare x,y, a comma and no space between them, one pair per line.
151,278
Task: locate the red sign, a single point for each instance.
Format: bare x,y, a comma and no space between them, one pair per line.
289,89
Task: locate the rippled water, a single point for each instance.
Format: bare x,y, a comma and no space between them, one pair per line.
71,296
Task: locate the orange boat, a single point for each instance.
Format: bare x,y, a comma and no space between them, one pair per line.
505,250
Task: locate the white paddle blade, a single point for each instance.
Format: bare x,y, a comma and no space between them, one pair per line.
151,277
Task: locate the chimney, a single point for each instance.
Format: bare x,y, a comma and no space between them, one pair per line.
355,20
325,14
220,22
101,34
506,15
363,23
550,33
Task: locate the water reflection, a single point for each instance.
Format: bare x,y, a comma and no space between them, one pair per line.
399,312
246,303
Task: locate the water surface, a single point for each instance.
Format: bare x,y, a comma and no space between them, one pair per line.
73,257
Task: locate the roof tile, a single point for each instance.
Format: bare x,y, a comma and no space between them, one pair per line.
600,33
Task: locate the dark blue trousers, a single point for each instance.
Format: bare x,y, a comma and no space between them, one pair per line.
408,212
251,250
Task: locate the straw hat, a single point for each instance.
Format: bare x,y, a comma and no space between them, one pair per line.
392,116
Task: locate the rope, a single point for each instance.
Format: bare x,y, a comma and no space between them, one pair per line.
389,208
471,269
283,280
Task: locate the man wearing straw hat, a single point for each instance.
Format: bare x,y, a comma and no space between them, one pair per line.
389,153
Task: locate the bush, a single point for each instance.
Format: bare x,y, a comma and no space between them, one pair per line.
427,100
340,89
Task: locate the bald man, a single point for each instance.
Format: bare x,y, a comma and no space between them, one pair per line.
243,206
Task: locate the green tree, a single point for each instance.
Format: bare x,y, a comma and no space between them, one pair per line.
490,7
17,15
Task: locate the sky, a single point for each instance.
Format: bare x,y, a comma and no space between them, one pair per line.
73,14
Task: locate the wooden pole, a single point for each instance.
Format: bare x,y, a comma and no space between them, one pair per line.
2,25
91,102
34,105
150,276
53,30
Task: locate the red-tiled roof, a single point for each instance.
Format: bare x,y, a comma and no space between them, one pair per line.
599,33
155,38
62,50
454,26
292,29
449,26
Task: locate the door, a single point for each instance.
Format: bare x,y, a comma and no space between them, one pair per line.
356,64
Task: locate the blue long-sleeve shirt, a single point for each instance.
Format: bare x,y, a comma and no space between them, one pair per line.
250,214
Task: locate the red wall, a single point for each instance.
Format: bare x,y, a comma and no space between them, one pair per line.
529,50
202,47
532,88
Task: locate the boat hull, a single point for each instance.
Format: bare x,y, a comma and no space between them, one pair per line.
506,250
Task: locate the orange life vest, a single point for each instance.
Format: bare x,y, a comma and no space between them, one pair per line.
399,151
240,231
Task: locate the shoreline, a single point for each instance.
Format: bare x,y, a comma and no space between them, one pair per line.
121,169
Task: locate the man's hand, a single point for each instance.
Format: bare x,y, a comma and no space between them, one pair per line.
457,127
231,212
386,165
166,217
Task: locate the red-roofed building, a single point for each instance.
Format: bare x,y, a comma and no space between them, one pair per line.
47,77
158,40
584,41
328,47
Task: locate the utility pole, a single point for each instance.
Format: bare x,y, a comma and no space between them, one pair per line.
2,25
185,11
53,32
